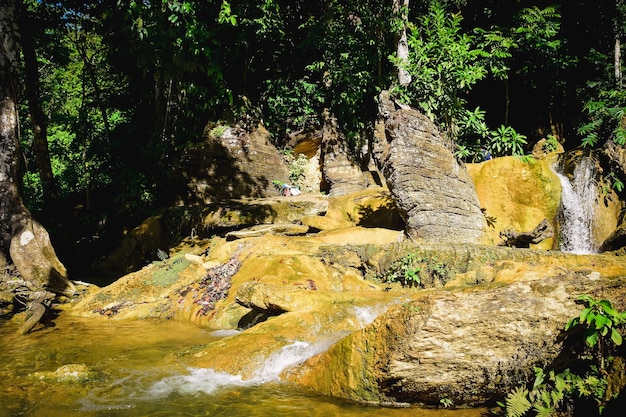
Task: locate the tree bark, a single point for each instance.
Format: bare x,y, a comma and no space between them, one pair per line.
38,119
24,239
8,119
401,8
617,48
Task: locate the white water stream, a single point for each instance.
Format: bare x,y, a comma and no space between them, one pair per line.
577,209
200,380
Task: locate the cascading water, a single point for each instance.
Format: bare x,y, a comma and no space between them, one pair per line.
577,209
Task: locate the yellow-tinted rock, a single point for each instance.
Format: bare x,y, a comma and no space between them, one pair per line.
516,194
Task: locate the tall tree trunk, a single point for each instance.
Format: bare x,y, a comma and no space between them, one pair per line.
401,9
38,119
10,200
617,48
25,240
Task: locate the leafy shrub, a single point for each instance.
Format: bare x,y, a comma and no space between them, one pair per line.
601,323
414,271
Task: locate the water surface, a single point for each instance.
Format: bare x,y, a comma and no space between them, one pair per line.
138,369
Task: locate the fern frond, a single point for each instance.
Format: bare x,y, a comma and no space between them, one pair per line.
517,403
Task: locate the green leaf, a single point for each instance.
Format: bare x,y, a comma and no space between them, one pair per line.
571,323
600,321
587,315
616,337
592,339
607,306
517,403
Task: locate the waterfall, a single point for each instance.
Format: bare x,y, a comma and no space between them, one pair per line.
577,209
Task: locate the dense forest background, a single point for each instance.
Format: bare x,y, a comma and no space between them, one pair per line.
114,91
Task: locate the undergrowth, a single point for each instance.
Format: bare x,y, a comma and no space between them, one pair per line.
589,379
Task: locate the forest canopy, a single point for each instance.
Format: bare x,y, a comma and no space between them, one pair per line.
125,86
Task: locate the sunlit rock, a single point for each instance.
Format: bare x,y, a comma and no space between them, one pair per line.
517,195
471,347
433,192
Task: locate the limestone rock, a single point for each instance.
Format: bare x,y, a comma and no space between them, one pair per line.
518,201
284,229
75,373
470,347
339,170
162,231
513,238
432,190
235,165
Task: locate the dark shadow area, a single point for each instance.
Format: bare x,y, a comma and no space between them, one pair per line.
256,316
86,229
385,216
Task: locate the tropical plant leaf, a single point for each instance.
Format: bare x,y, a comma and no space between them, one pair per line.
517,403
616,337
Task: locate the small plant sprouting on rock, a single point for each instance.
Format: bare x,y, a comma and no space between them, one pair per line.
414,271
446,402
406,271
218,131
162,255
599,319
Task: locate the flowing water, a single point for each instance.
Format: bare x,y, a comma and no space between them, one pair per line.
139,370
577,209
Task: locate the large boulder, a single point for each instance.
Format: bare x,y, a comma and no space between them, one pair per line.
231,163
518,201
471,347
340,172
433,191
34,257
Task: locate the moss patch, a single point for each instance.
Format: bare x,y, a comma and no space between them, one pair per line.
167,273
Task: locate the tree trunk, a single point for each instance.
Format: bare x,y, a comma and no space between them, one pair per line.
25,240
401,9
618,59
38,119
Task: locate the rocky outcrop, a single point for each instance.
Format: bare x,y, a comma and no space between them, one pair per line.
232,163
340,172
517,201
469,347
494,313
513,238
141,244
432,190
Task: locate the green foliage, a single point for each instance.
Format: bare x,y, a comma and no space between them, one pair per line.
599,319
405,271
551,144
297,165
218,131
517,403
446,402
601,323
616,183
412,270
226,16
506,141
443,63
479,140
162,255
605,117
292,105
